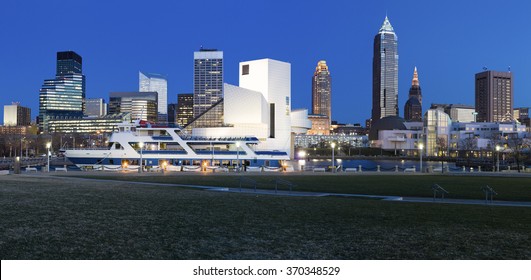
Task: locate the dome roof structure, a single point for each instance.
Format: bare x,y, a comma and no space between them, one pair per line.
387,123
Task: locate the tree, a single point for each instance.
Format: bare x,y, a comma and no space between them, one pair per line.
519,148
467,147
442,146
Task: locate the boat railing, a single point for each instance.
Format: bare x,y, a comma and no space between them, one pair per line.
91,148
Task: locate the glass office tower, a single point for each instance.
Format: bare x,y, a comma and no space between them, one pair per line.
208,81
62,97
385,73
141,105
151,82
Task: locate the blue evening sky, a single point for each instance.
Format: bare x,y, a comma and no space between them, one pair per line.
449,41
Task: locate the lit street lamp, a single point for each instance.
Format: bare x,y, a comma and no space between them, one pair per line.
141,144
498,148
48,145
333,145
421,150
301,154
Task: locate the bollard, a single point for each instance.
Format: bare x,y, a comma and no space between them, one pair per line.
396,168
464,170
447,168
378,168
359,167
479,168
471,169
509,168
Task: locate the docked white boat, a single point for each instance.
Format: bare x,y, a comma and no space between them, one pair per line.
169,149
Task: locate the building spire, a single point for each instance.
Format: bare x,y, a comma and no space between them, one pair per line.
386,26
415,81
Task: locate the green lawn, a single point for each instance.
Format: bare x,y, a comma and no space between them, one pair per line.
508,188
58,218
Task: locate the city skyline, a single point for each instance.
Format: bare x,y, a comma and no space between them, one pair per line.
466,48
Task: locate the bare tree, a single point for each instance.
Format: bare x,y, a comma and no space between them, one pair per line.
442,146
467,147
519,148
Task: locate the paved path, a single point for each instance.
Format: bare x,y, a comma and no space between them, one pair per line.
310,194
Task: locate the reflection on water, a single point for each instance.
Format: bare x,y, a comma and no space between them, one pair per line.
372,164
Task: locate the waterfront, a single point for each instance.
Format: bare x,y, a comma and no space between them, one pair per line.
372,164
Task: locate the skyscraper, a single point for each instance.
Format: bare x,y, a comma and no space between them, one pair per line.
385,73
151,82
494,96
95,107
63,97
141,105
16,115
172,113
208,80
413,107
322,91
185,109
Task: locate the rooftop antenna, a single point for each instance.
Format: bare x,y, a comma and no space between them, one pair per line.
484,68
509,68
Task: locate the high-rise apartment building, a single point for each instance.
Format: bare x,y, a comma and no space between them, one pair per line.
185,109
16,115
141,105
95,107
322,91
494,96
151,82
413,107
208,81
385,73
63,97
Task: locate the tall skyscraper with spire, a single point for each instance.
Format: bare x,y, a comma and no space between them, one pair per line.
385,73
413,107
322,91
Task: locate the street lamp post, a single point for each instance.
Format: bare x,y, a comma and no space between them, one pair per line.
238,155
141,144
48,145
421,151
498,148
333,145
302,154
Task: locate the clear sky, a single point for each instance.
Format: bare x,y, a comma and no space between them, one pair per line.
449,41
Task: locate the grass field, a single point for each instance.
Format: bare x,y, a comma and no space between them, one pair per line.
468,187
62,218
